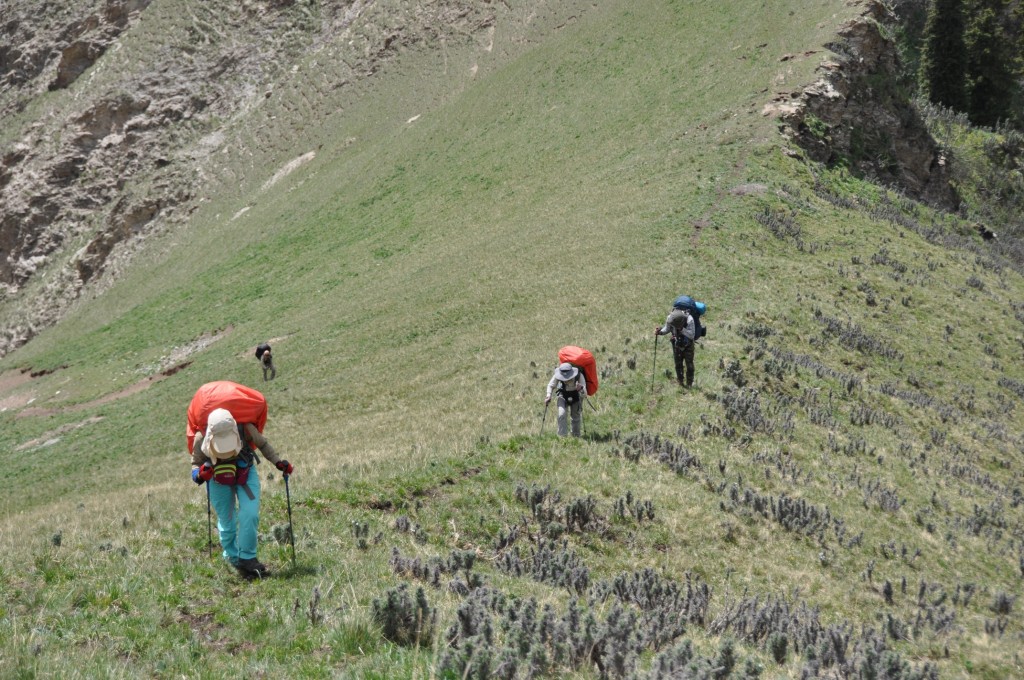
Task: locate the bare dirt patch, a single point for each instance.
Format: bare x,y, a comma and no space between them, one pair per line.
106,398
170,364
54,436
12,380
752,189
288,168
176,360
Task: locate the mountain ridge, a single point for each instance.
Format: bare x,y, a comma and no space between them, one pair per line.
838,496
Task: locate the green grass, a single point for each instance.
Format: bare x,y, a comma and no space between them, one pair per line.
417,283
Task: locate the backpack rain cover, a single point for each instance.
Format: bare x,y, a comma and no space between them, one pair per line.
245,404
583,360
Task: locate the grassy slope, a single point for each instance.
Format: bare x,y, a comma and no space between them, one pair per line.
416,271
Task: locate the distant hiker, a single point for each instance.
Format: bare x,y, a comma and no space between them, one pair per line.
224,457
571,388
266,360
268,366
985,232
680,323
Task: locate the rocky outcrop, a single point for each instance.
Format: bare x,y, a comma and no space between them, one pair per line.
127,134
77,34
859,113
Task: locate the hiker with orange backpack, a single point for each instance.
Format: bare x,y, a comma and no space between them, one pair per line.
223,449
575,379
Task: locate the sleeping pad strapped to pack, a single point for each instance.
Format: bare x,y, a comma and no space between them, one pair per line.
689,304
245,404
583,360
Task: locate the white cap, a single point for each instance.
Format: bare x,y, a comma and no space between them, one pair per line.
221,435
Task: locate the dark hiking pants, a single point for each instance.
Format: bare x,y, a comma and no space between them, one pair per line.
682,352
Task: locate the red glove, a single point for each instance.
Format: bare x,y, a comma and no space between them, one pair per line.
284,466
203,474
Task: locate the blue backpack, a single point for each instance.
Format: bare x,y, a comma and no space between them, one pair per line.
696,310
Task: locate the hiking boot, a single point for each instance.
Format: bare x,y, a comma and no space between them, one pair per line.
251,568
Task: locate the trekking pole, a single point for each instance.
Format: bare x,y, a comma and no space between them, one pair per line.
545,417
291,527
209,523
654,364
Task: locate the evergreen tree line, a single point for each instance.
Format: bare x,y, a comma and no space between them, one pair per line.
971,57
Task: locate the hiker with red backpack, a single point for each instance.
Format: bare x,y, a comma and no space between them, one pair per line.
684,325
574,380
225,428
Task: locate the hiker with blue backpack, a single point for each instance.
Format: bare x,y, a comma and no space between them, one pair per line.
685,328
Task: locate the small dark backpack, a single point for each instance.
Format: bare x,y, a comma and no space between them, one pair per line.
265,347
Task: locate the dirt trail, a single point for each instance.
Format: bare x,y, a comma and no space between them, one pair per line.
10,381
106,398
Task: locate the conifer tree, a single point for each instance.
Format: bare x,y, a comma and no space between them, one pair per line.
992,65
943,73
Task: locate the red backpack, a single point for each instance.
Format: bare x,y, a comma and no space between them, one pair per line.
245,404
583,360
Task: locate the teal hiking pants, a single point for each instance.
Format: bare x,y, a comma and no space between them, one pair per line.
238,516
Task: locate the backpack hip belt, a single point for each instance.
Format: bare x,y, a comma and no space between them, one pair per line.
570,396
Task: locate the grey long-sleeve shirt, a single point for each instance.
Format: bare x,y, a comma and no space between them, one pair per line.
579,384
679,323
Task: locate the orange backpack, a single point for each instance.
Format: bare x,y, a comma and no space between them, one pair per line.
583,360
245,404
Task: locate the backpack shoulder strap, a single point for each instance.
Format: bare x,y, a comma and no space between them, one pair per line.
246,446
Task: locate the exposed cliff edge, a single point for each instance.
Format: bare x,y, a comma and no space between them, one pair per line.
858,113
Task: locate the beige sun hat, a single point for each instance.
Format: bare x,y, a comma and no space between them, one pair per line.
221,440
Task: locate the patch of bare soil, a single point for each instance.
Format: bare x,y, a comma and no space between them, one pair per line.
175,361
12,380
106,398
54,436
751,189
169,365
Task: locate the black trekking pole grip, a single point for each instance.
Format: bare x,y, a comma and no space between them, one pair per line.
291,526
